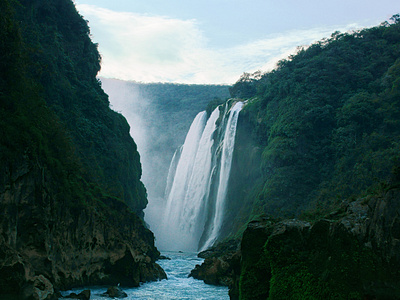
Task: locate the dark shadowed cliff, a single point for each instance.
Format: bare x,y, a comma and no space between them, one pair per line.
65,62
70,190
351,254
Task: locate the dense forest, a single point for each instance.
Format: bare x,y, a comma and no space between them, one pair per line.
326,123
70,189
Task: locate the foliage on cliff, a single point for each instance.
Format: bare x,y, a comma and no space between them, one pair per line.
327,120
64,63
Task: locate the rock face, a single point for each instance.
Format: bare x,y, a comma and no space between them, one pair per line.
354,254
70,189
351,254
47,243
221,264
217,268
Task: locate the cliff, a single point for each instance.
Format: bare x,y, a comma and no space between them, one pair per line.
66,242
320,128
64,62
351,256
70,190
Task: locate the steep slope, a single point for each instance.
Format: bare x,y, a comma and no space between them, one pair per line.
65,63
61,223
324,125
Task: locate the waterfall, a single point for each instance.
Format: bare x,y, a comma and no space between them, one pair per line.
226,163
198,182
172,170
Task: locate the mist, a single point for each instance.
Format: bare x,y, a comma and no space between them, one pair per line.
159,116
139,111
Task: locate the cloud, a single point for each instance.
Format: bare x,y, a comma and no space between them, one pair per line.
151,48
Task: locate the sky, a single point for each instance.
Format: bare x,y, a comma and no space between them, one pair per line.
215,41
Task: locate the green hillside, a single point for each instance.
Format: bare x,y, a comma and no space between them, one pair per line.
325,123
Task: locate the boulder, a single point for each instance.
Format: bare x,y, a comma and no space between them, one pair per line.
163,257
115,292
40,289
84,295
218,266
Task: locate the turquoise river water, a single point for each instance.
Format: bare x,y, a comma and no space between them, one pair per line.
178,286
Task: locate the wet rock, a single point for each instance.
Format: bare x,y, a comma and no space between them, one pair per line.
84,295
115,292
218,266
164,257
40,289
216,270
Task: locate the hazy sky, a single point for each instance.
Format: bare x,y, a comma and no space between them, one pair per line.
215,41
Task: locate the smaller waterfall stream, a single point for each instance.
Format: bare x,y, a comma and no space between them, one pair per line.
226,163
196,195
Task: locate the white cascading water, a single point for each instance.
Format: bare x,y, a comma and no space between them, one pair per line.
185,164
172,237
192,213
172,170
195,202
225,169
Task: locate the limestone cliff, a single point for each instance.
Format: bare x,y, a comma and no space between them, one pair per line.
352,254
44,237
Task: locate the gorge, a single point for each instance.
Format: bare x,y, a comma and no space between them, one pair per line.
291,186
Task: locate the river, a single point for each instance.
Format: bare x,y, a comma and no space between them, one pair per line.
177,287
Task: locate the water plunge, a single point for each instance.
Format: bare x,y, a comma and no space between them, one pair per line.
178,285
198,181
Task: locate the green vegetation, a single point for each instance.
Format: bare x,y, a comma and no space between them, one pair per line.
326,261
57,117
326,126
327,121
54,105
